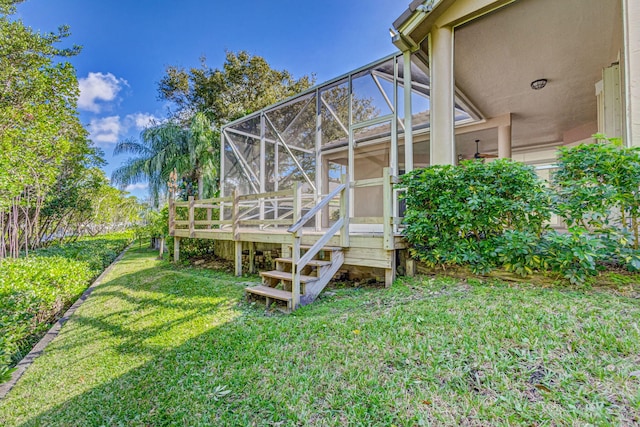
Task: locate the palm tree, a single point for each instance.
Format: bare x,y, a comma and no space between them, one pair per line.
191,151
204,154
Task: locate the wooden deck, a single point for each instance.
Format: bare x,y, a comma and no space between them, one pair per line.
366,249
282,219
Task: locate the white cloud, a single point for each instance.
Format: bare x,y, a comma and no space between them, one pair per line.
141,120
97,88
105,129
111,129
139,186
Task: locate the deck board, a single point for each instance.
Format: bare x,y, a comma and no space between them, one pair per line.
266,291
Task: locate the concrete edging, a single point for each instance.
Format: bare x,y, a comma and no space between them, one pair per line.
53,332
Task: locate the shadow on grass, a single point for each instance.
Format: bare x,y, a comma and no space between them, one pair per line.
163,330
162,346
176,387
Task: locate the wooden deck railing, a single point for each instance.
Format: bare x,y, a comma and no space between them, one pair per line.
246,211
265,210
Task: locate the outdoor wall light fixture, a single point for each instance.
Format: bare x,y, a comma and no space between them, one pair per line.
538,84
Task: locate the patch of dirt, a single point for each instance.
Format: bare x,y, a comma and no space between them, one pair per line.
212,262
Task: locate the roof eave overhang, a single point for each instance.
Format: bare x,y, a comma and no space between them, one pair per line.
414,25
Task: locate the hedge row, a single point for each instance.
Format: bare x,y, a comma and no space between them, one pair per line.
36,290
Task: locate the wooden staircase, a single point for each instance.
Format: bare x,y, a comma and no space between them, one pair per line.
277,285
298,280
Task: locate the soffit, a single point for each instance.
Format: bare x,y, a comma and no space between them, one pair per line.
567,42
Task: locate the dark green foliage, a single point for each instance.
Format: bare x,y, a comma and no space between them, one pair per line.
245,83
36,290
5,361
576,255
598,189
519,252
458,214
193,248
489,215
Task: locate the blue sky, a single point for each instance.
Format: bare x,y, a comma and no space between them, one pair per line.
127,44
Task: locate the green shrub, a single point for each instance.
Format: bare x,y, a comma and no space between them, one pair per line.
598,188
520,252
192,248
458,214
574,255
487,215
598,195
36,290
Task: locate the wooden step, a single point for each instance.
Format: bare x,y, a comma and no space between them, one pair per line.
268,292
312,263
283,275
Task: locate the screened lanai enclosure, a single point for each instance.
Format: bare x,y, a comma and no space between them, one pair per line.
311,181
353,125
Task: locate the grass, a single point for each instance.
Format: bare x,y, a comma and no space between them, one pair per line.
36,290
158,345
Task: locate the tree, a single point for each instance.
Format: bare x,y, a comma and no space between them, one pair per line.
39,125
171,146
205,99
245,84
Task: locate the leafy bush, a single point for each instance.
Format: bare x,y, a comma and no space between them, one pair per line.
459,214
36,290
598,187
487,215
192,248
598,195
156,224
519,252
575,255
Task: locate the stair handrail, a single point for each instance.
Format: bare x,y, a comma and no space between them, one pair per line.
298,263
313,211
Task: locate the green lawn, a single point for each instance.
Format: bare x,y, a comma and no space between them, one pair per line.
156,345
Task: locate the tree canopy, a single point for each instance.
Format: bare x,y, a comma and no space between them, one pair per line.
245,83
171,146
203,100
45,154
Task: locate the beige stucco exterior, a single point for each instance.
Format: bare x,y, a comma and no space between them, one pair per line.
490,52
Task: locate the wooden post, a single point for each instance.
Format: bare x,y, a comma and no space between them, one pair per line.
209,218
261,212
252,257
410,266
285,250
192,227
236,233
172,215
236,215
325,190
176,249
295,271
387,207
344,212
238,258
297,202
390,273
